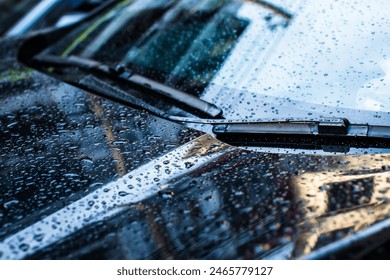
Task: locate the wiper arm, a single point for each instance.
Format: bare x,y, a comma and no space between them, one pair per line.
189,100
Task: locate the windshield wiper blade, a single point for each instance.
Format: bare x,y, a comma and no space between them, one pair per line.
180,96
184,98
325,132
323,127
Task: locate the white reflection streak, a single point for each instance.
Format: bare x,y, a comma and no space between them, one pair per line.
107,201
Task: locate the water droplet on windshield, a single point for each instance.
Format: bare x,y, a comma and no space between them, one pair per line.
39,237
189,164
24,247
122,193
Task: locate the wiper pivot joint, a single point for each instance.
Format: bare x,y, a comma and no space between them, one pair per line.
333,126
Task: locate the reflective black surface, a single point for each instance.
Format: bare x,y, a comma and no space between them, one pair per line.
59,144
83,177
57,141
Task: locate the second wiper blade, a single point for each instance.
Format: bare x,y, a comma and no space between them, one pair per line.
182,97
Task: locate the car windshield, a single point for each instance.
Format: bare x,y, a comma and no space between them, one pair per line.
253,60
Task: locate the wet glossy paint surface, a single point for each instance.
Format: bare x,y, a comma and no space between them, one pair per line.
239,204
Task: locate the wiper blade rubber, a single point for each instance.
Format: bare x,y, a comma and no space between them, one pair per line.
177,95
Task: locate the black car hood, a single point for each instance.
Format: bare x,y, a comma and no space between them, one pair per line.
83,177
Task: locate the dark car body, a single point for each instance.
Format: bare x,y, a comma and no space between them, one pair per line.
85,177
